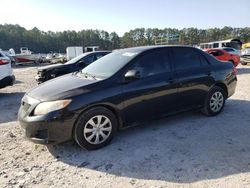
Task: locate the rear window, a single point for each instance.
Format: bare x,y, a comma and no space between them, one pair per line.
216,53
229,49
216,45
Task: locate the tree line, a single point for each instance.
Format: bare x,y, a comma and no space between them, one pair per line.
15,36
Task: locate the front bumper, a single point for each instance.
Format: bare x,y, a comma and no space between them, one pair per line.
46,131
231,86
52,128
7,81
245,58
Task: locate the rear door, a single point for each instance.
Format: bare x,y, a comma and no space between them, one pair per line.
194,76
154,93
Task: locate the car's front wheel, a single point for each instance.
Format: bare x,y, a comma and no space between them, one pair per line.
95,128
214,102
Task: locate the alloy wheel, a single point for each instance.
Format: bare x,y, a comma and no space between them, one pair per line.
216,101
97,129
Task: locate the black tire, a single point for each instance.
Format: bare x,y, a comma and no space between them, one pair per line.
81,137
243,63
209,106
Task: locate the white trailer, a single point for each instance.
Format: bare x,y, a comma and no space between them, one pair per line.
73,51
91,48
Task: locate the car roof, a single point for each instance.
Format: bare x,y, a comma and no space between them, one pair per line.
93,52
228,48
216,49
140,49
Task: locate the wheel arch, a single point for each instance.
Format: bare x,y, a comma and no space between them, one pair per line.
104,105
223,86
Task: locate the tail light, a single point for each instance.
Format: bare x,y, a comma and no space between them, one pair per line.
4,61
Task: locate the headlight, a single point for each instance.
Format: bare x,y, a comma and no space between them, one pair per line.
46,107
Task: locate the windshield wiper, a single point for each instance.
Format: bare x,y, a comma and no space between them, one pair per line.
88,75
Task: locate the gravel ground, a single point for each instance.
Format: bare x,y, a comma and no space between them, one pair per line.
188,150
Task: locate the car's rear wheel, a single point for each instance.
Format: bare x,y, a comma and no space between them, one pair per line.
214,102
95,128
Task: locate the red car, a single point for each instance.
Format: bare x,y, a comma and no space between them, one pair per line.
223,55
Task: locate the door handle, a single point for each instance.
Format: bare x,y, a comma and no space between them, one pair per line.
209,73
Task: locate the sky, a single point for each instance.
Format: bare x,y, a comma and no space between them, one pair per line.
121,16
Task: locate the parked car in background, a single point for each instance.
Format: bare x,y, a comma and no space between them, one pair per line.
6,74
232,51
123,88
52,71
54,58
223,55
245,56
12,59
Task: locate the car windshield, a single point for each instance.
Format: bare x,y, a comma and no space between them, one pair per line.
109,64
75,59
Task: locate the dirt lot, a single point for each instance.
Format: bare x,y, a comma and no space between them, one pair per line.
188,150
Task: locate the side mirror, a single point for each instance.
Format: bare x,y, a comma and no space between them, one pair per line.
132,75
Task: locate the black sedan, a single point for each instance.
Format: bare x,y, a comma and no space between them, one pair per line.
51,71
123,88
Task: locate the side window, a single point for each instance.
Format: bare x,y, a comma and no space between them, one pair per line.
229,49
153,63
220,53
216,45
186,58
214,53
89,59
98,56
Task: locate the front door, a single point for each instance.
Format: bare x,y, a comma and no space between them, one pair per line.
154,93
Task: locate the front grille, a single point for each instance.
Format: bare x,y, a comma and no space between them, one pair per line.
41,134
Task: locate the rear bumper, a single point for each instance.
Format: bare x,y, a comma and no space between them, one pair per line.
7,81
231,86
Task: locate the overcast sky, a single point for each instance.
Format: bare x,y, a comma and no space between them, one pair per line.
122,15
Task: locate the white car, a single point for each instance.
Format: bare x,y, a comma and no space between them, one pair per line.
7,77
245,56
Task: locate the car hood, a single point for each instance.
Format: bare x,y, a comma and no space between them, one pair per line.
50,67
61,88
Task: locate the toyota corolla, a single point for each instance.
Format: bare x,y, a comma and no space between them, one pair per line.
124,88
